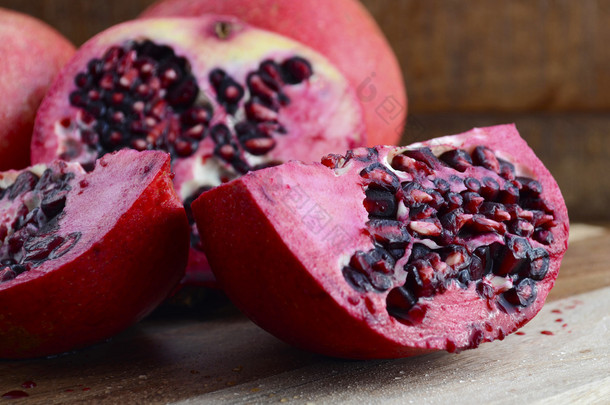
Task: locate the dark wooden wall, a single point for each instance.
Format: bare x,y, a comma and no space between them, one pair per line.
544,64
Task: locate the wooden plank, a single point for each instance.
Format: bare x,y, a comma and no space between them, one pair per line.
219,356
572,363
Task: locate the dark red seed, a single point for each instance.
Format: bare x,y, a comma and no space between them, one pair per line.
543,236
483,156
509,194
453,200
472,202
523,294
423,155
472,184
529,187
539,264
507,170
409,165
356,279
259,146
458,159
378,176
53,203
399,301
489,188
26,181
6,274
515,256
389,233
258,112
380,203
442,186
296,70
521,227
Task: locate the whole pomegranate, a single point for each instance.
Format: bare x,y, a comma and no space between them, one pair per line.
221,97
85,255
341,30
391,251
32,54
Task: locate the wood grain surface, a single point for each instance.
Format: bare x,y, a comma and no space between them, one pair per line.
218,356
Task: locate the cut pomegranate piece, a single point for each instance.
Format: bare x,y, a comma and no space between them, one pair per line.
391,251
84,255
222,97
341,30
32,54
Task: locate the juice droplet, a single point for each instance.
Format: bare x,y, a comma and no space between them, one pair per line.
556,311
28,384
520,333
558,320
547,332
15,394
86,389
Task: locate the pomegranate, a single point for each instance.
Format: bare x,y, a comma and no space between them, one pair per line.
341,30
32,54
221,97
391,251
84,255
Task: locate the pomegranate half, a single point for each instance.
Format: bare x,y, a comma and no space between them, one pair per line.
85,255
32,54
221,97
391,251
341,30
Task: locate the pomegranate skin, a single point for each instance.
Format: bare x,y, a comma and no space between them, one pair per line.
126,262
277,240
32,54
341,30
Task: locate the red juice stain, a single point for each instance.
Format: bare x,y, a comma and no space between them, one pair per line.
565,325
556,311
547,332
558,320
15,394
520,333
86,389
28,384
69,390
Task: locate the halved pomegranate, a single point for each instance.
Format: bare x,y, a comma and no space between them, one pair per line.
84,255
341,30
221,97
391,251
32,54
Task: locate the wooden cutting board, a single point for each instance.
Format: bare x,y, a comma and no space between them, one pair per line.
563,356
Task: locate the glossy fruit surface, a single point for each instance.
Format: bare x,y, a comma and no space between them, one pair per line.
85,255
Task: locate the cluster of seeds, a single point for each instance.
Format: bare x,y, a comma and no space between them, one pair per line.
459,218
254,133
139,96
143,96
30,237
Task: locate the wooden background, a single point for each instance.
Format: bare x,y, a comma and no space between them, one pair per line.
544,64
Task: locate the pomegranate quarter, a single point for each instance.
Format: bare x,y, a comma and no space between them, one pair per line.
85,255
391,251
221,97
